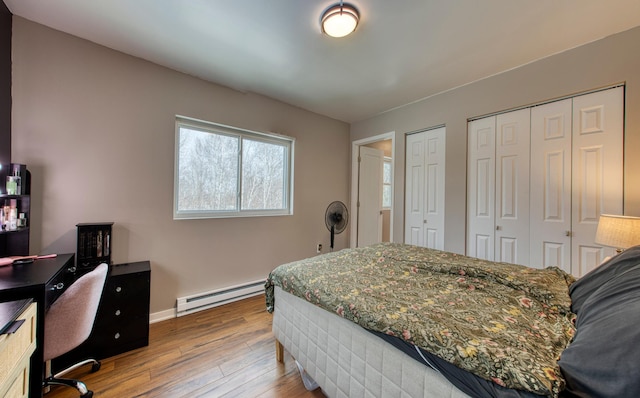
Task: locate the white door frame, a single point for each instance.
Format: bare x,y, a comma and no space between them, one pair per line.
355,150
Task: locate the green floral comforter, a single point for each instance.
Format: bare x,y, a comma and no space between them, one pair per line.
503,322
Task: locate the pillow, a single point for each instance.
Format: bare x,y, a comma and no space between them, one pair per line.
582,289
602,359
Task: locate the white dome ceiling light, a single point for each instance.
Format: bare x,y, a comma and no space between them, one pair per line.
339,20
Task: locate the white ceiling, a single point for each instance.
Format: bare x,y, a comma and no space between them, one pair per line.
402,51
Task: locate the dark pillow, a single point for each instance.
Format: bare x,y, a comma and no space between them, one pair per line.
582,289
602,360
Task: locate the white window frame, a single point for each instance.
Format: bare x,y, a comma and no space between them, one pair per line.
215,128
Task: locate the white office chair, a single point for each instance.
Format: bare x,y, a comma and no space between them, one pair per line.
69,322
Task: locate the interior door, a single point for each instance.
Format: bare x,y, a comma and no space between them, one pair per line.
370,196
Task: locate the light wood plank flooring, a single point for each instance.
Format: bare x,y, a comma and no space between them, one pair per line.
228,351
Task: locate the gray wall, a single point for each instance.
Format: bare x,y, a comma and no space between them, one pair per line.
612,60
96,128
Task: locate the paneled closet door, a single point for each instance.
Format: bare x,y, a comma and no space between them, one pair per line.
597,185
576,175
481,188
424,204
550,199
512,187
414,186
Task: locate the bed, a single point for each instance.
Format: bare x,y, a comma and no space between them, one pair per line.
393,320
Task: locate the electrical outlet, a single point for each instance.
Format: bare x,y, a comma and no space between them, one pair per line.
319,248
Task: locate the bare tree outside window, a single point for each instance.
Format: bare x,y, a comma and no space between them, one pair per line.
262,175
227,172
208,171
386,184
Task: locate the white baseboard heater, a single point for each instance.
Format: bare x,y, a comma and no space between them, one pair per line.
198,302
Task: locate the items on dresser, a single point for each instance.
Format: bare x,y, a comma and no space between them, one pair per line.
15,206
93,244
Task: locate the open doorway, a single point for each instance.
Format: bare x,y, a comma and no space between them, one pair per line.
372,190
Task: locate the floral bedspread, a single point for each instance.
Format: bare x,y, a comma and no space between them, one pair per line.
503,322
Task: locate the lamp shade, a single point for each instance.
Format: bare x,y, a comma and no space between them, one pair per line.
339,20
618,231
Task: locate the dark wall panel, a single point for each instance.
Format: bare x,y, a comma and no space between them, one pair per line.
5,84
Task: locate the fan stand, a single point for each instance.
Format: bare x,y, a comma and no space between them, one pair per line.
333,228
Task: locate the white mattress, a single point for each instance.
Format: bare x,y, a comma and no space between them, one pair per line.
348,361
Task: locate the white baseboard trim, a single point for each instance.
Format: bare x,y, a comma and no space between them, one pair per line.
162,315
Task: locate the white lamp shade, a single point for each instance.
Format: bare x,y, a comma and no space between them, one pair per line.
618,231
339,20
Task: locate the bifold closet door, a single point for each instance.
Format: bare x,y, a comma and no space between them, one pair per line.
576,175
598,169
498,186
424,183
481,188
512,187
550,218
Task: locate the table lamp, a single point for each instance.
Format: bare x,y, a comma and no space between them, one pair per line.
616,231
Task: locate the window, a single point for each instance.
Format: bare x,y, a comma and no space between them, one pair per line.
222,171
386,183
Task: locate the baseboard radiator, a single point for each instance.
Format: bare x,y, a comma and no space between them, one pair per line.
198,302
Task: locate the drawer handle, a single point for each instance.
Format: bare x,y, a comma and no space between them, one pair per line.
117,312
116,336
118,289
58,286
14,326
72,269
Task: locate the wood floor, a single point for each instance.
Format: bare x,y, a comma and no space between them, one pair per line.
228,351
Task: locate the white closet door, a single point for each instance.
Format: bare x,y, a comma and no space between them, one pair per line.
597,172
424,203
512,187
434,189
550,216
414,188
481,188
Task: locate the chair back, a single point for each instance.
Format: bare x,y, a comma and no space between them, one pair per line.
70,318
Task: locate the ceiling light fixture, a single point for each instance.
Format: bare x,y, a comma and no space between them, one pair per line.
339,19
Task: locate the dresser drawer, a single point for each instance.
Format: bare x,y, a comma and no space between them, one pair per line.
128,289
15,353
59,283
132,329
20,386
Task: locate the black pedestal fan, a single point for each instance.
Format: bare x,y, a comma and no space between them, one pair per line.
336,218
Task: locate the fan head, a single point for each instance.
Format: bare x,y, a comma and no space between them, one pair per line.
337,217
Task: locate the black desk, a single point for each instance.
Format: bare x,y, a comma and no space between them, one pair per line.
43,281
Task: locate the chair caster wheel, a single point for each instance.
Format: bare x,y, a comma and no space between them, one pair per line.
95,367
89,394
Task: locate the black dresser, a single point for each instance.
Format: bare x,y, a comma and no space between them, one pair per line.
122,323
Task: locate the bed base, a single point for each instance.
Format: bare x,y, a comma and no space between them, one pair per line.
346,360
